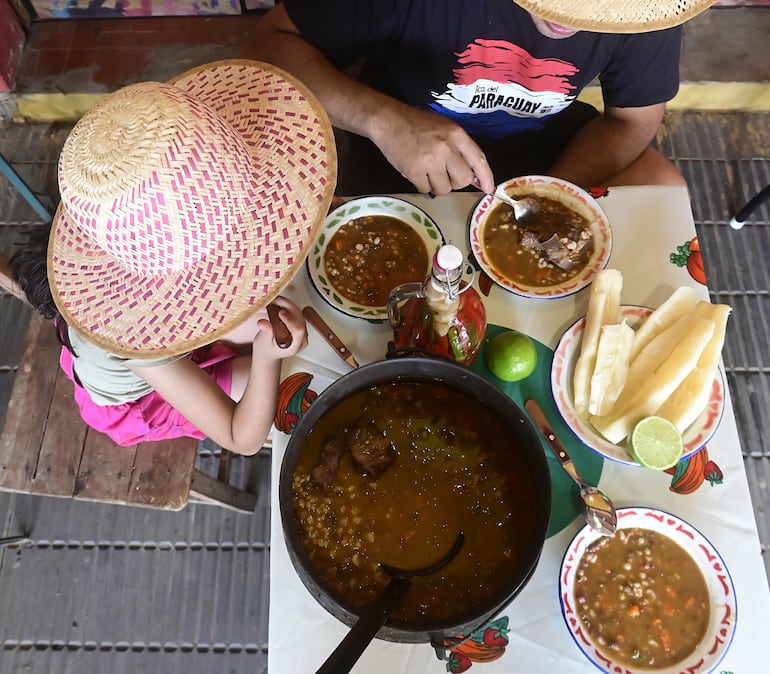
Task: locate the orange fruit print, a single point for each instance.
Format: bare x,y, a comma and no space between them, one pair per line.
689,255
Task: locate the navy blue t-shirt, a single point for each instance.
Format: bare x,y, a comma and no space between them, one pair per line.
482,62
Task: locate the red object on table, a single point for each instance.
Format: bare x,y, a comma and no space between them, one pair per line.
443,314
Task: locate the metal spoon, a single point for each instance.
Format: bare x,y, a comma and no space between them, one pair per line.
600,513
526,209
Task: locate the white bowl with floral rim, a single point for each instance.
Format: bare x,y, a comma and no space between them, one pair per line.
402,210
723,615
572,196
562,367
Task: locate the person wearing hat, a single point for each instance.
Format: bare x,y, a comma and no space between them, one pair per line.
186,207
468,92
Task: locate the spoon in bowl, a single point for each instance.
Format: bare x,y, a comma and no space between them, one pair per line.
600,513
525,210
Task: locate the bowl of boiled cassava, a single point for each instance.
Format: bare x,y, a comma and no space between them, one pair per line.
621,364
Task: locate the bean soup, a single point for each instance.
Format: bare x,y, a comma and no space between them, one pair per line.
548,252
391,475
642,598
369,256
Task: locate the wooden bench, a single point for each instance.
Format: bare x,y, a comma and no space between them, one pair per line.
46,448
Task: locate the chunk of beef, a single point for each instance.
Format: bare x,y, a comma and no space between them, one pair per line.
564,251
325,473
529,240
371,449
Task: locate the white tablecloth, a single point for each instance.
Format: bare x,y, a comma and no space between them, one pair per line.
648,223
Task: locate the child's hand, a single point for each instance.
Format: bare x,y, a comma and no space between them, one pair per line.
290,314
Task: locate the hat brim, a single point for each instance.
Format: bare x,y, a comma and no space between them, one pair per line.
137,316
616,16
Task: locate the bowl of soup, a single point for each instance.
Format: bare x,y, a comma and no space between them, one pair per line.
368,246
655,597
554,255
388,466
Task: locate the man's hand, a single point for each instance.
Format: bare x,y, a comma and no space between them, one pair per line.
429,150
432,152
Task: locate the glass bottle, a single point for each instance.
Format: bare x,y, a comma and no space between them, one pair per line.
442,314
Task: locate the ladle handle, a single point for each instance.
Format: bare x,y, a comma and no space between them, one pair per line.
361,634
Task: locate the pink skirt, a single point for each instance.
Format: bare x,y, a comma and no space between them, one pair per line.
150,417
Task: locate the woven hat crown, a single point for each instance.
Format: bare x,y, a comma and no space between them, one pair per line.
156,178
187,206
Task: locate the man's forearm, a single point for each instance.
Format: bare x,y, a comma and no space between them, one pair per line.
606,146
351,105
430,150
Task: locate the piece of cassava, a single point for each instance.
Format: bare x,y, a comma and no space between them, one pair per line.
650,358
611,368
650,394
603,309
691,396
681,301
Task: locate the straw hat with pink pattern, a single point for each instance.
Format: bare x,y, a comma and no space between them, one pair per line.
187,206
616,16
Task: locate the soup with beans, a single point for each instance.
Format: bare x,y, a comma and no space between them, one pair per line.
391,475
551,251
642,598
369,256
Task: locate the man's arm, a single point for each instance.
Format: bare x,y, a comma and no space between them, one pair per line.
431,151
615,149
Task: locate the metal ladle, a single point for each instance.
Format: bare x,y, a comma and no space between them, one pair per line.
600,513
373,618
525,210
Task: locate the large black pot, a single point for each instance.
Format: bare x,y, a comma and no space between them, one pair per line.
524,439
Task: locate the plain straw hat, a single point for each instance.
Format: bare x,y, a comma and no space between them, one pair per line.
616,16
187,206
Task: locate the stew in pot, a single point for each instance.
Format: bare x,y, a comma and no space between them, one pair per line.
392,474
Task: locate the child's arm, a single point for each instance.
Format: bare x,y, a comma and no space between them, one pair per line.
242,426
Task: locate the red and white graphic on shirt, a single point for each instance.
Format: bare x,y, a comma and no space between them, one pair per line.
494,75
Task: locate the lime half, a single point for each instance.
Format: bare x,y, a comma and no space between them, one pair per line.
656,443
511,356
